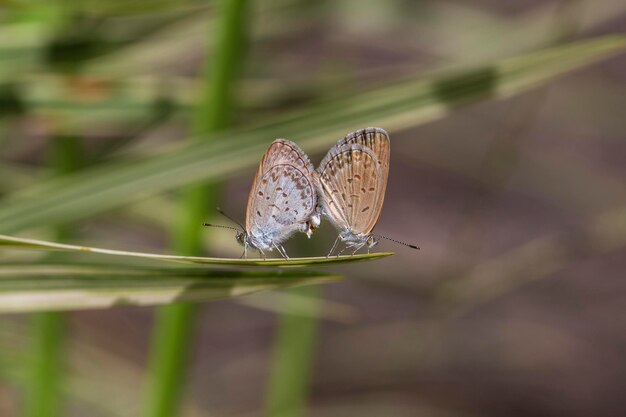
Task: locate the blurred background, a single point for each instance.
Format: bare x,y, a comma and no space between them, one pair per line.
515,305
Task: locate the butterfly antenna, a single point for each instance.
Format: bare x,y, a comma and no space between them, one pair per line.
219,225
397,241
220,211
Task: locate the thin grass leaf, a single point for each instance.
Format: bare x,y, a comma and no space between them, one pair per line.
22,243
294,346
402,105
33,287
47,360
45,364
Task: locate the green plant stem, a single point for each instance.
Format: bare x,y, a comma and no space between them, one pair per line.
174,324
43,397
170,347
66,157
294,347
222,69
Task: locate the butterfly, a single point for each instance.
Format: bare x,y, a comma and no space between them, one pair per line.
351,182
282,200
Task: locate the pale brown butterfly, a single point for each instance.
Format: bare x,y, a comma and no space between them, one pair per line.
351,182
282,200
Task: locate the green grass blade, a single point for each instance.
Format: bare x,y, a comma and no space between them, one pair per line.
294,348
401,105
46,363
46,359
22,243
41,287
174,325
171,342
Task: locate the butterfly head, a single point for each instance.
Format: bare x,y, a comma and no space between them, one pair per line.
241,237
372,241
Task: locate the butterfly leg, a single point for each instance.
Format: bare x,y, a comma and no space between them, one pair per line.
343,250
357,249
333,248
281,250
262,254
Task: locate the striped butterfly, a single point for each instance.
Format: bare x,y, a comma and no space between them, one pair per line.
351,182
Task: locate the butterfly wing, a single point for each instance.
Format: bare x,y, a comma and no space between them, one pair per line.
351,185
374,138
283,197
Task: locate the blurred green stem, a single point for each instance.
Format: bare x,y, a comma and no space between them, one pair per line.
43,398
174,324
294,346
43,391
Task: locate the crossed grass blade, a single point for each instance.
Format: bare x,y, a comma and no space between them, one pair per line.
402,105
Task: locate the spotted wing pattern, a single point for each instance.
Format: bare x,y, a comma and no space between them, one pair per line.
351,185
377,140
283,195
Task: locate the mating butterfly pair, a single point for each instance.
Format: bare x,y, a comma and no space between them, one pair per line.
288,195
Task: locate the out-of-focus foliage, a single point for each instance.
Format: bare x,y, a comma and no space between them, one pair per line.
41,287
406,104
507,167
